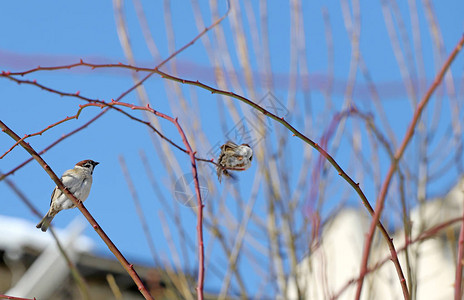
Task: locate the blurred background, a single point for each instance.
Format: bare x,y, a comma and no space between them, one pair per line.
347,74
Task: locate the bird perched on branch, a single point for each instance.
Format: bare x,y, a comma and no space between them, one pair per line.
233,158
78,181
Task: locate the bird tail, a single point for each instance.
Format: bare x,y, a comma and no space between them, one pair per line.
219,173
45,222
227,174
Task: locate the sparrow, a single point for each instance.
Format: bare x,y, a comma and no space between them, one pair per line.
78,181
233,157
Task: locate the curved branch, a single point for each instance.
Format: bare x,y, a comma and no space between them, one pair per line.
126,265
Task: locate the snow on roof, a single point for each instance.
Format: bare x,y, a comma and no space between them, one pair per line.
17,233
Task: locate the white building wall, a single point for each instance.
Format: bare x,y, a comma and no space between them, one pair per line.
337,261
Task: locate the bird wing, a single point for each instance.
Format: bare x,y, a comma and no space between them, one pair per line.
56,191
67,177
229,145
66,180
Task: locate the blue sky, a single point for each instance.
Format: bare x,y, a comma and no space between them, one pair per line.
47,33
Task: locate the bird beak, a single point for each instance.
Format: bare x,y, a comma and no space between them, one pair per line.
95,163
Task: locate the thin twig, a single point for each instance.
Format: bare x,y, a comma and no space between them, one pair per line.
191,153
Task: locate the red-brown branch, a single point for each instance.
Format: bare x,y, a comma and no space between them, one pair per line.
2,176
38,133
191,153
394,164
126,265
193,159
